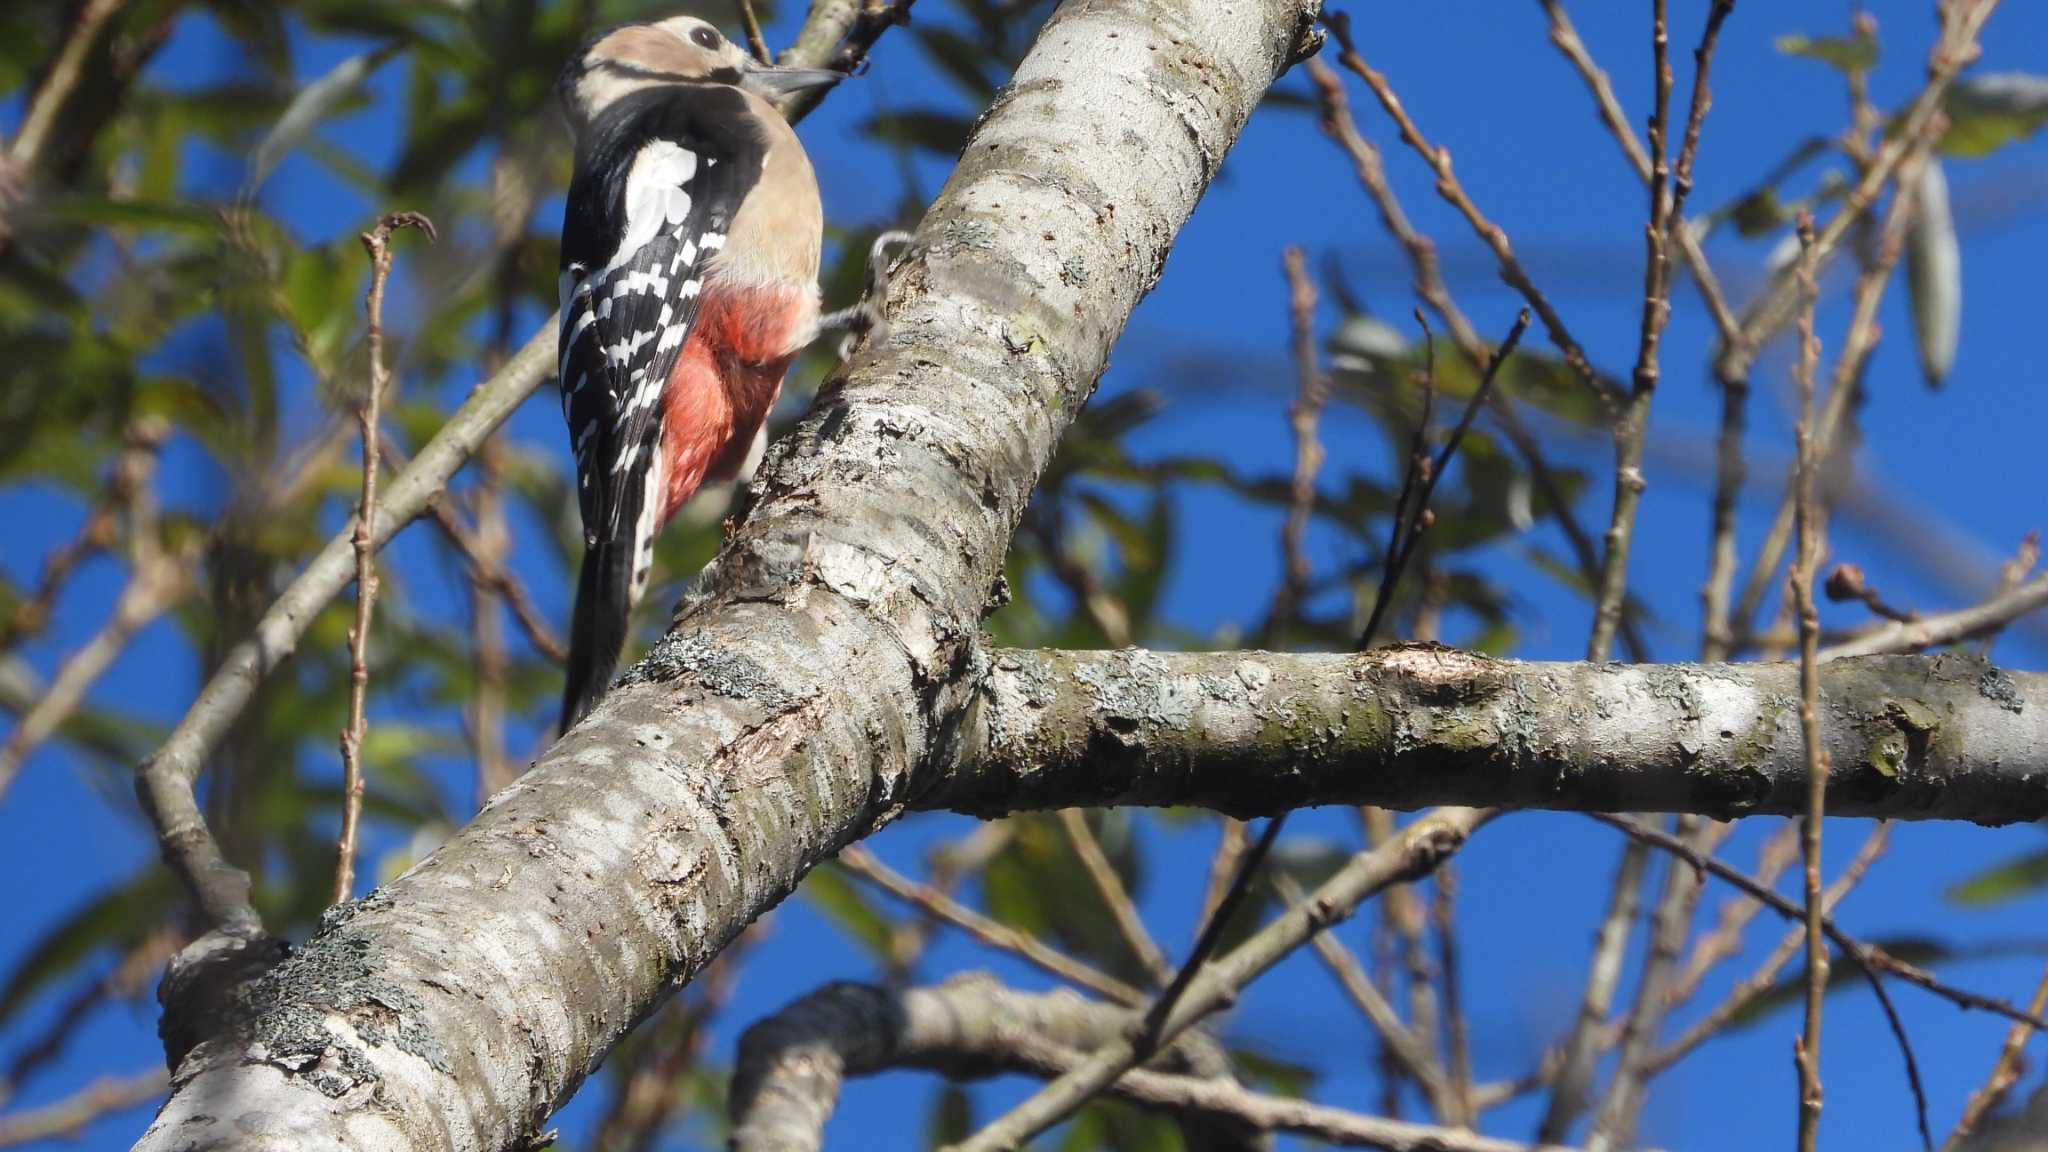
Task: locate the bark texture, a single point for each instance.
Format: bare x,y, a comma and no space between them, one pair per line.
1255,733
823,670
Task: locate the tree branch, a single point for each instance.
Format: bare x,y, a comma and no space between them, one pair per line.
791,1065
820,672
1252,733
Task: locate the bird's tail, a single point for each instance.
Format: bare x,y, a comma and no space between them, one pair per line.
597,630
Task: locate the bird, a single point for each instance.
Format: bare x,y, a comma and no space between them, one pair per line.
689,281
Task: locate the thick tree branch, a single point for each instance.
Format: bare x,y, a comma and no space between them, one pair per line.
1251,733
823,668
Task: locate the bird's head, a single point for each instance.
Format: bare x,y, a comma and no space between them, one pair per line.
678,50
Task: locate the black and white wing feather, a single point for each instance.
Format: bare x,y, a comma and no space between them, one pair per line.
648,208
656,188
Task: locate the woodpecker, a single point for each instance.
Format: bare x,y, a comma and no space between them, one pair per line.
689,281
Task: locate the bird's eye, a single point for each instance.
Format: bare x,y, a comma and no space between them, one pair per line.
706,38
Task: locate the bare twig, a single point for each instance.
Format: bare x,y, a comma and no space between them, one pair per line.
864,864
1408,532
1955,48
1311,389
1857,342
1566,38
1765,976
1447,185
2010,574
1725,939
1667,214
369,416
1457,1039
32,614
1572,1087
2004,1071
488,568
1614,1124
1407,1049
1980,620
1869,958
756,43
1429,285
1846,582
1421,846
853,26
1808,1048
1123,910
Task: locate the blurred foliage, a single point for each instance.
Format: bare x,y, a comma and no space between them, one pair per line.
156,261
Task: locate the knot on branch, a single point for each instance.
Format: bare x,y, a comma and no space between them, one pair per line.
206,983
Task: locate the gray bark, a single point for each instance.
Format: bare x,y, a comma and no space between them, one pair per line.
821,674
791,1065
1254,733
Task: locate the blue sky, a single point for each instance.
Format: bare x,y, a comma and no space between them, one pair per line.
1481,79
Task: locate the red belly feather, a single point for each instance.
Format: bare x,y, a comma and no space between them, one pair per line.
724,384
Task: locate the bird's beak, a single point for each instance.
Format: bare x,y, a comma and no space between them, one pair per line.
770,81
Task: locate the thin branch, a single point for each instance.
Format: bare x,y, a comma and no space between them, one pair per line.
1457,1037
1765,976
1724,941
69,1116
1430,287
1978,621
32,614
1858,341
157,581
756,43
39,120
793,1064
864,864
1123,911
1566,38
1420,847
1311,390
1667,215
853,26
1615,1122
1447,186
1955,48
1572,1087
2004,1071
1807,1050
487,567
1407,535
1869,958
369,418
1403,1044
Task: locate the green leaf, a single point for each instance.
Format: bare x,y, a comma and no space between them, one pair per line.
340,89
1987,112
2001,882
1847,53
847,906
1758,214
